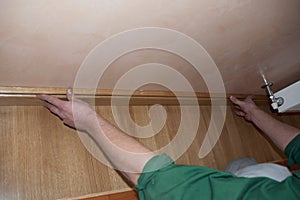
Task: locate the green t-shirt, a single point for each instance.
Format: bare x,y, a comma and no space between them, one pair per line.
162,179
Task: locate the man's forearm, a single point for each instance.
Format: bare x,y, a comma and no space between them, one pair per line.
124,152
280,133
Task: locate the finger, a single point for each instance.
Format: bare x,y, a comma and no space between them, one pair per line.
71,97
237,107
69,94
240,113
235,100
249,98
69,123
52,100
52,108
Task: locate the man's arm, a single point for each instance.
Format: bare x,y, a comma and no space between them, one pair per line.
125,153
280,133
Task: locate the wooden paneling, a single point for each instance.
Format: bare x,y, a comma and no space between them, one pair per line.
40,158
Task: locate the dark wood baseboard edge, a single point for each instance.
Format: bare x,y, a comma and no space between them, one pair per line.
285,163
127,194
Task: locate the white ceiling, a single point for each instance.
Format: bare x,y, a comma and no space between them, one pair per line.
44,42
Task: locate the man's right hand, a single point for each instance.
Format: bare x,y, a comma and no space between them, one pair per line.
244,108
80,113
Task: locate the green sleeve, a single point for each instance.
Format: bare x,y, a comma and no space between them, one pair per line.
293,151
162,179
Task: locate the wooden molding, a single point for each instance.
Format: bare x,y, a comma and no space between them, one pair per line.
285,163
10,96
127,194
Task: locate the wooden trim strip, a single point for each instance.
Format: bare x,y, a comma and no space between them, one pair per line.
10,96
129,195
285,163
126,194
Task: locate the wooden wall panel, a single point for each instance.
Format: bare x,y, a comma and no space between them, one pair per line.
40,158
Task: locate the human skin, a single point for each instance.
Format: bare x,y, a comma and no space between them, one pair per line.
122,151
280,133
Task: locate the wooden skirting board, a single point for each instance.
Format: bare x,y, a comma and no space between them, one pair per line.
116,195
129,195
22,96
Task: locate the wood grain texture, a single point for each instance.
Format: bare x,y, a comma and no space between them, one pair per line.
40,158
127,195
25,96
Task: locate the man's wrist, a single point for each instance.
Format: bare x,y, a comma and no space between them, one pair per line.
91,122
254,112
